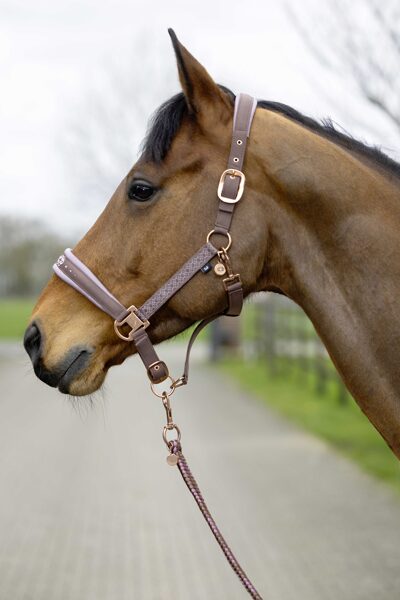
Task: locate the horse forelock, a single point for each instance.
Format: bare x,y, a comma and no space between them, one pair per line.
165,124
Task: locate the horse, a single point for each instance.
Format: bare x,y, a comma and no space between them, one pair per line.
319,223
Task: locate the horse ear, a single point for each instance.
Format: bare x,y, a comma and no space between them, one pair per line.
204,97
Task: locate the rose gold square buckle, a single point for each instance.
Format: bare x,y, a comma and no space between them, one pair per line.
134,323
231,280
232,174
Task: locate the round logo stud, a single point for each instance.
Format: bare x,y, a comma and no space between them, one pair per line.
219,269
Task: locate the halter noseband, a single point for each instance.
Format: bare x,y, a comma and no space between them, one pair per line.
230,190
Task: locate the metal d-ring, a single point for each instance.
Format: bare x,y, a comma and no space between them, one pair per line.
164,392
226,234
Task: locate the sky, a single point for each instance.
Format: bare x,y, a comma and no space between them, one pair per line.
55,55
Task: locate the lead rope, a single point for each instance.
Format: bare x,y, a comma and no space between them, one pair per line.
176,458
192,484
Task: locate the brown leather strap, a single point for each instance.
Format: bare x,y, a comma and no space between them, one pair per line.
199,327
232,188
235,298
156,369
243,118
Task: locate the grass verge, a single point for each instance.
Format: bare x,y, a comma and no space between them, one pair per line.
343,425
14,316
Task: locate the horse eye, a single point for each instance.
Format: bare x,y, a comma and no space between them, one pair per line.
141,191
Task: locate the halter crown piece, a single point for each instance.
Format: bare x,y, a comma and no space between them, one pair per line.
130,323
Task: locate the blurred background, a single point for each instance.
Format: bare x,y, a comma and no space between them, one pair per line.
80,80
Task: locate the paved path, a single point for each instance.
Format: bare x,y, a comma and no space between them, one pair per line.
89,510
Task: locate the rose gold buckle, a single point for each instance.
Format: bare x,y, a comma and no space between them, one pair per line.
134,323
156,366
232,279
232,174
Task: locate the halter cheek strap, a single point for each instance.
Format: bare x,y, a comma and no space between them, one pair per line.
231,185
230,190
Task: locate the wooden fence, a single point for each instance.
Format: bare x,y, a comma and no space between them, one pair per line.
276,330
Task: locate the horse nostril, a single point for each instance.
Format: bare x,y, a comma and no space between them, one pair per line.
32,342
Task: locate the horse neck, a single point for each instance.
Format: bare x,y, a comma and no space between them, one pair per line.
334,248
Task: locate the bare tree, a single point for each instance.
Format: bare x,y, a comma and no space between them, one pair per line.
360,39
106,128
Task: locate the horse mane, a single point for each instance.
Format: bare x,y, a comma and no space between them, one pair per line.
168,118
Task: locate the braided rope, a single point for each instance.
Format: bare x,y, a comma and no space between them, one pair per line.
191,483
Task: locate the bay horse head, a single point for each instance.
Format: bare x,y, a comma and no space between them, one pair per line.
158,216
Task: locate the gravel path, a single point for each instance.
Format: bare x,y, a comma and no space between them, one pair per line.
89,510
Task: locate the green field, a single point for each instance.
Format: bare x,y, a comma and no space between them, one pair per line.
344,426
14,316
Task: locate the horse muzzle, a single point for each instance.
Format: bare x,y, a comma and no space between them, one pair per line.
67,369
